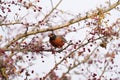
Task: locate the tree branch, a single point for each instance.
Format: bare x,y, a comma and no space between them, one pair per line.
52,10
103,70
72,52
75,65
70,22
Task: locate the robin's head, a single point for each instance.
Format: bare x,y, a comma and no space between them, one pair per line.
52,36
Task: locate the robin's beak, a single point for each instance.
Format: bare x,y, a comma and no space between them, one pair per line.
50,35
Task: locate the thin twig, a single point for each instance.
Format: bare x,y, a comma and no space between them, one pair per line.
51,11
103,70
51,3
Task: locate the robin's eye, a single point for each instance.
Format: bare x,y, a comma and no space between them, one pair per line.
51,35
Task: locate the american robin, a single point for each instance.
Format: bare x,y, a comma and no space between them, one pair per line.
57,40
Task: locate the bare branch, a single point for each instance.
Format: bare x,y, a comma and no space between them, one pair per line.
11,23
76,65
72,52
51,3
58,26
103,70
52,10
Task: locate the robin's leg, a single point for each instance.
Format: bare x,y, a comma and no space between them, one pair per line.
53,50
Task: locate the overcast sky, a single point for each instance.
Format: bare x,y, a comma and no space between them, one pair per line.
71,6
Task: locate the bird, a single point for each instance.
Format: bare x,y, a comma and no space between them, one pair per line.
57,41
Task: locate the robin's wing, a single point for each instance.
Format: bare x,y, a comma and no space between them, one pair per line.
64,40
